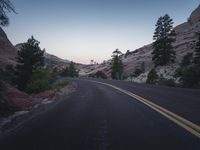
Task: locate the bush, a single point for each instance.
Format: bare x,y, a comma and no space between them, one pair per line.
38,86
189,76
187,60
167,82
152,77
137,72
60,84
40,81
100,74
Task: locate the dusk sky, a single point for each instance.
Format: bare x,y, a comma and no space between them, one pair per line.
81,30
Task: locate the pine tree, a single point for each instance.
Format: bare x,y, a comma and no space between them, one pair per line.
30,58
197,52
187,60
152,77
72,70
163,52
65,72
117,66
5,6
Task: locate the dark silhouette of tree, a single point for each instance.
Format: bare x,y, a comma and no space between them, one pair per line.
100,74
152,77
72,70
30,58
117,65
127,53
189,73
5,7
189,76
164,34
65,72
187,60
197,52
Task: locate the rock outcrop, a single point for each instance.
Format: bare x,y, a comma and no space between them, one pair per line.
8,52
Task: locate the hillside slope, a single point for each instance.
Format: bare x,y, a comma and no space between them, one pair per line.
185,42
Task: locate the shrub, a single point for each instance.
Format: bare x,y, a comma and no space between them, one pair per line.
60,84
137,72
38,86
40,81
100,74
187,60
152,77
167,82
189,76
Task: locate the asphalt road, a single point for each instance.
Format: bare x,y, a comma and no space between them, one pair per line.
98,117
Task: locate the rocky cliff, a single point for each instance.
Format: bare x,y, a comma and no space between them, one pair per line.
7,50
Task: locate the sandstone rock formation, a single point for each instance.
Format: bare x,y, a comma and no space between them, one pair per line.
8,52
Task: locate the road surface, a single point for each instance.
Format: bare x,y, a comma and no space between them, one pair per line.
100,117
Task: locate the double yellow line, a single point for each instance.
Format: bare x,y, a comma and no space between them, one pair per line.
187,125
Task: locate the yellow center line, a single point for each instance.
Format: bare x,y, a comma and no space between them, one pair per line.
182,122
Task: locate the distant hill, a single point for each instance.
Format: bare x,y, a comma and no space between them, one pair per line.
50,60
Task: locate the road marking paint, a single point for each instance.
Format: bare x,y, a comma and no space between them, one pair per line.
182,122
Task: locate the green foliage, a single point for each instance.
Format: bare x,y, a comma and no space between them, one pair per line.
167,82
65,72
187,60
189,72
5,7
197,52
72,70
60,84
30,58
38,86
139,70
163,52
189,76
40,81
152,77
117,65
100,74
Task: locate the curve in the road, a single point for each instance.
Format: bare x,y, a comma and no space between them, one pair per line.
182,122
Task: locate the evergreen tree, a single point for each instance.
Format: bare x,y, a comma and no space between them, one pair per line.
152,77
197,52
5,7
127,53
163,52
30,58
65,72
117,66
187,60
72,70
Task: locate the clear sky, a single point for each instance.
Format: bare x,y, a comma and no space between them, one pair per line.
81,30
